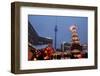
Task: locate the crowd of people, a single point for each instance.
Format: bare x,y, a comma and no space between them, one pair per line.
49,53
41,54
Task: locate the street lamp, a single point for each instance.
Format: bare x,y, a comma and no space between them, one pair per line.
63,45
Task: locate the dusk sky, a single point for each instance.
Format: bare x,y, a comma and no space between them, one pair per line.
45,25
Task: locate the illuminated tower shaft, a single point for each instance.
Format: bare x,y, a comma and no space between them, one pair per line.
75,42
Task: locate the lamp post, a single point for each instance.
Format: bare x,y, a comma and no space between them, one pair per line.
63,46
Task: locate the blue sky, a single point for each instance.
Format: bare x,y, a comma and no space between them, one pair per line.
44,26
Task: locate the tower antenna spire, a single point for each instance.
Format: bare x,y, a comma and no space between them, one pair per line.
56,29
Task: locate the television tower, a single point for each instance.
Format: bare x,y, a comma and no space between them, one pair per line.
56,29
